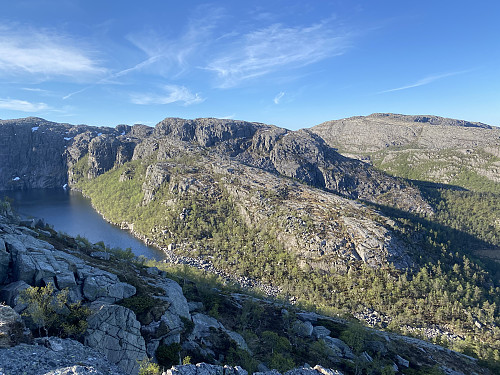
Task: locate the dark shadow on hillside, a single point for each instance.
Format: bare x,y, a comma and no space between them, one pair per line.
459,241
425,185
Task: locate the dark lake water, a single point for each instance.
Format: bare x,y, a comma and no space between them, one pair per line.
70,212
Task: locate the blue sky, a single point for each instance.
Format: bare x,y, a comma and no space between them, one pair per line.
290,63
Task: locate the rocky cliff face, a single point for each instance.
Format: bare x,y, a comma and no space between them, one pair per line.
36,153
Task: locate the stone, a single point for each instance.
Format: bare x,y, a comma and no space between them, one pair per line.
202,325
320,332
65,280
12,329
10,293
205,369
338,347
327,371
4,262
402,362
71,358
195,306
238,339
153,271
114,331
106,286
174,295
100,255
365,357
303,329
376,347
75,370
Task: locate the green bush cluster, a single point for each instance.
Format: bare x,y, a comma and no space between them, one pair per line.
48,310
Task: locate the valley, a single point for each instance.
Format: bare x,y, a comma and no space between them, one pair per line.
397,229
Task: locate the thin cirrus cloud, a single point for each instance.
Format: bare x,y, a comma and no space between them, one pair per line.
278,97
22,105
171,94
43,54
276,47
425,81
169,56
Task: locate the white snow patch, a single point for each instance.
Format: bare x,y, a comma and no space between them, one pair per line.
67,138
65,186
98,134
123,133
16,178
34,128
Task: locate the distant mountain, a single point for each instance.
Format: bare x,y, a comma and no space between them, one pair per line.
427,148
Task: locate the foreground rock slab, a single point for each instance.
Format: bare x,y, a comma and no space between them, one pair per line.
55,356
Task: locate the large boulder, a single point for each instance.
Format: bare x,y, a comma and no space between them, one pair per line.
10,293
174,295
114,331
206,369
338,348
12,330
106,286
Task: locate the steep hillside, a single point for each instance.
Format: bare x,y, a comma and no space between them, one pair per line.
460,159
129,315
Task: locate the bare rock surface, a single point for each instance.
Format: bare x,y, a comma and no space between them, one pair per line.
115,331
12,329
54,356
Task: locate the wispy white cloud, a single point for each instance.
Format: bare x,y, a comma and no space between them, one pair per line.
38,52
41,91
22,105
278,97
276,47
172,56
425,81
171,94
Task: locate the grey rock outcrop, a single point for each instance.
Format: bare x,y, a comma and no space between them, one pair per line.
115,331
339,348
33,152
4,262
105,286
12,329
173,295
54,356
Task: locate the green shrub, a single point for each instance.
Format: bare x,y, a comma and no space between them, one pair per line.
168,355
44,306
139,304
146,367
49,311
